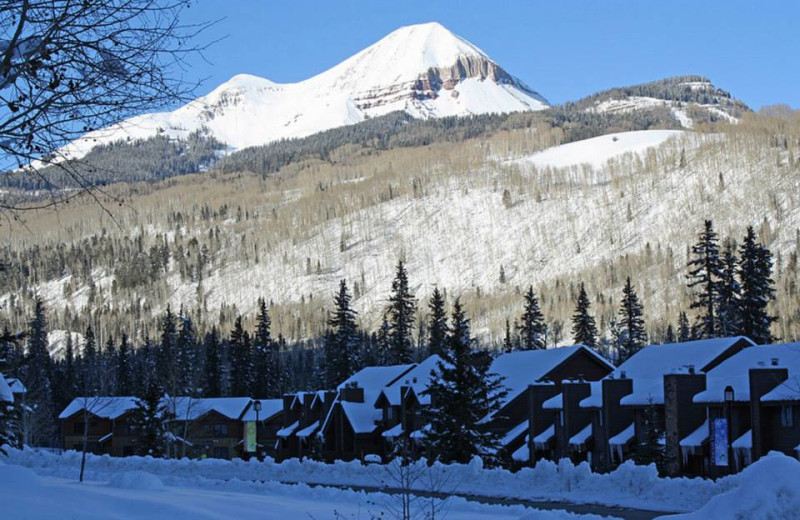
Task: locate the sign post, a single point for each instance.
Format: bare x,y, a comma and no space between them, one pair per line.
719,446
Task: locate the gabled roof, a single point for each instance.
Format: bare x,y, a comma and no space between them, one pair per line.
269,409
522,368
103,407
735,372
16,386
648,367
417,379
6,395
363,416
190,408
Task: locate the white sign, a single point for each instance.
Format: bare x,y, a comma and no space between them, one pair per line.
719,443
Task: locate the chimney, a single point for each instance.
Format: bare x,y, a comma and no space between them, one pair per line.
691,369
623,375
774,361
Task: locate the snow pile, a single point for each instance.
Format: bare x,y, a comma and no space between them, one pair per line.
136,480
627,486
766,490
16,477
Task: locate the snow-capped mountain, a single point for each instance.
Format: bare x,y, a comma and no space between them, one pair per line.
424,70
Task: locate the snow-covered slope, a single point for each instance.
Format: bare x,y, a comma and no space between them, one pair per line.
424,70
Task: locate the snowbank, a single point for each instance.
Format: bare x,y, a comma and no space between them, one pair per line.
766,490
628,486
15,477
136,480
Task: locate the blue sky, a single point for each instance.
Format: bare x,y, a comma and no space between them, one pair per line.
564,49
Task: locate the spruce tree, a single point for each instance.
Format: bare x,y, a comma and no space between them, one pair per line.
38,377
341,346
70,384
437,324
166,362
8,416
267,370
462,392
124,369
727,306
684,330
212,373
382,343
186,374
669,335
508,341
89,380
401,318
705,272
241,360
584,329
147,423
633,336
532,328
755,274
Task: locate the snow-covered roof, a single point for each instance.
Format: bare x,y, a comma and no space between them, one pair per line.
269,409
544,437
308,430
288,430
16,386
697,437
554,403
623,437
103,407
522,454
526,367
735,372
6,395
393,432
190,408
745,441
595,398
580,438
363,416
514,433
418,379
648,367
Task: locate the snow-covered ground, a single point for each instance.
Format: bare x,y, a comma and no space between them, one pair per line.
24,495
38,485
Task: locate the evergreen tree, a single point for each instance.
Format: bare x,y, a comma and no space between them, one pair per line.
462,393
633,336
124,383
8,416
437,324
341,346
584,329
90,365
508,341
684,330
212,374
401,318
727,306
382,343
532,329
70,381
147,423
38,378
705,272
669,335
241,360
186,373
650,449
108,368
267,368
166,362
755,274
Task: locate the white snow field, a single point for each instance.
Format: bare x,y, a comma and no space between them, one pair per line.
248,110
24,495
597,151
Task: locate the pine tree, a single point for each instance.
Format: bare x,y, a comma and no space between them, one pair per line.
461,396
212,373
267,369
757,289
108,369
186,375
437,323
532,328
727,306
633,336
584,329
166,362
40,422
241,360
8,415
508,341
684,330
70,384
90,365
341,346
401,318
705,272
382,344
669,335
124,383
147,423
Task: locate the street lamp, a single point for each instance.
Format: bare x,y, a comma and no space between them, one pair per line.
257,408
728,404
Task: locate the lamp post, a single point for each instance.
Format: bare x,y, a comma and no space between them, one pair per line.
257,408
728,403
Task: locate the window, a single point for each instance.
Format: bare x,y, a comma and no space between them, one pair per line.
220,430
787,416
